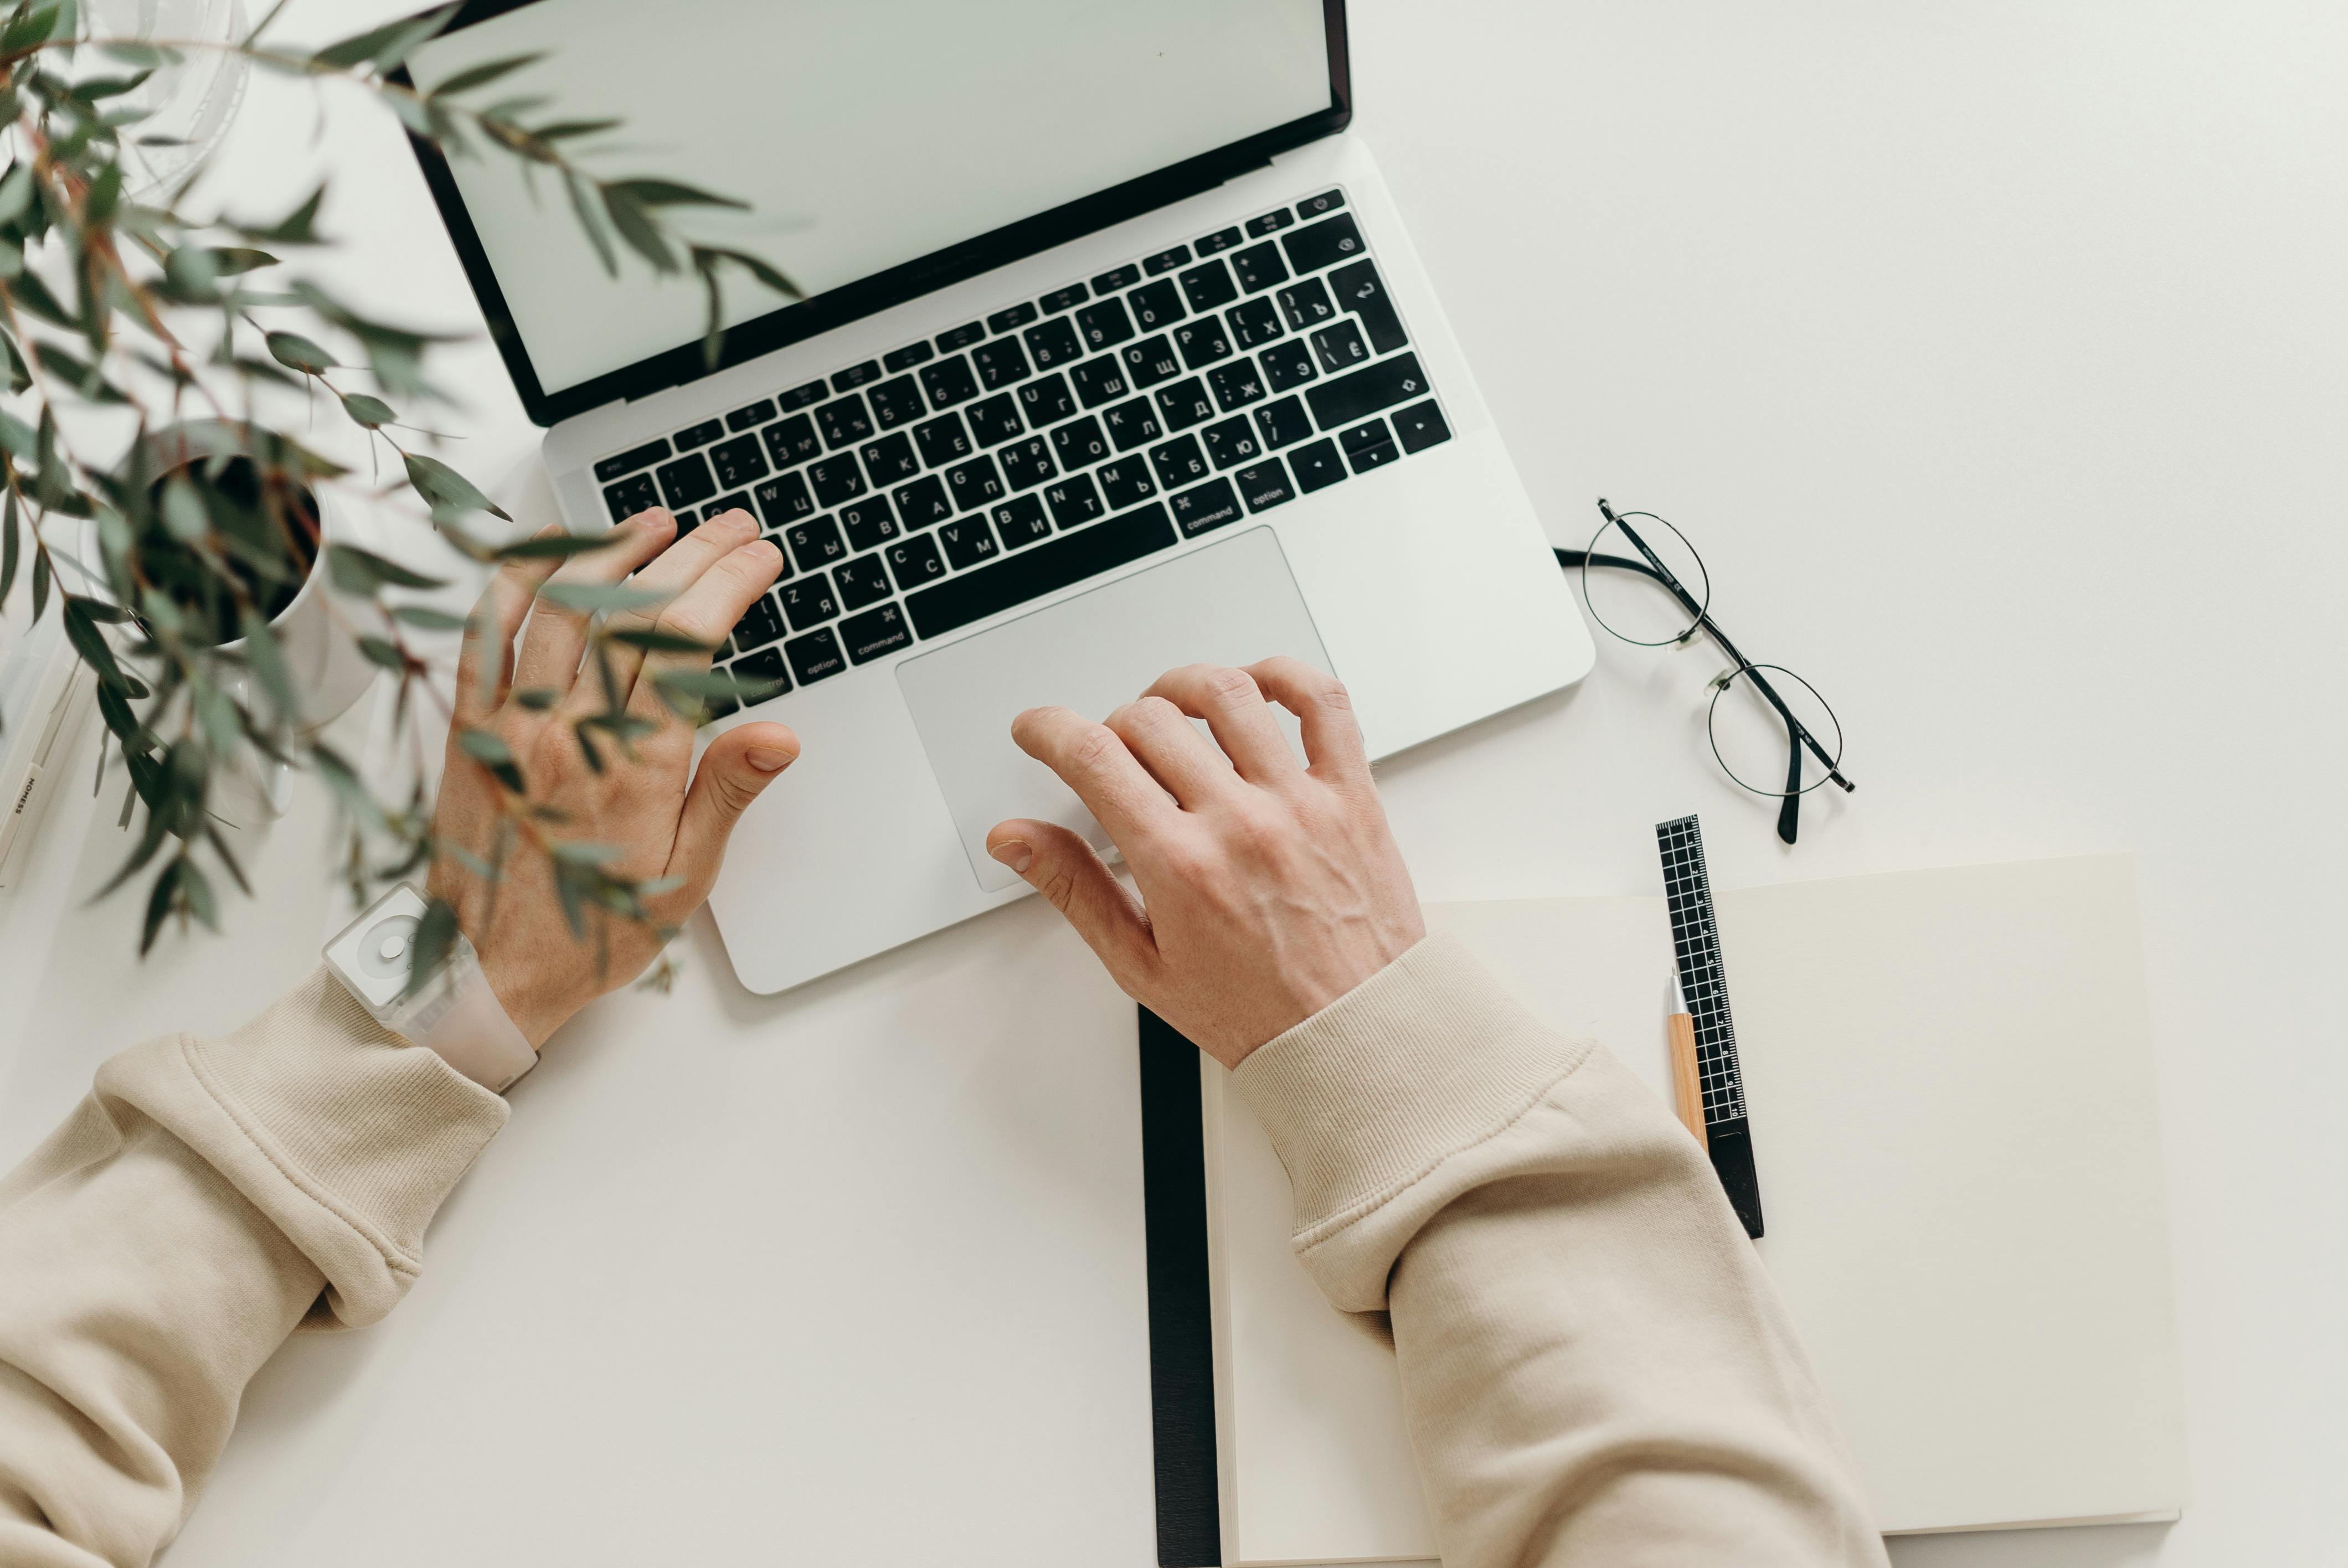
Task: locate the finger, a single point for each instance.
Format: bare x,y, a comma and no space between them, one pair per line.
1180,758
737,766
489,630
558,634
1243,722
705,612
1092,760
1324,713
672,576
1062,866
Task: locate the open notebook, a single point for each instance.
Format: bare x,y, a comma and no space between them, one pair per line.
1951,1088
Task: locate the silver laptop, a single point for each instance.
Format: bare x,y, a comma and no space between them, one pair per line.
1116,357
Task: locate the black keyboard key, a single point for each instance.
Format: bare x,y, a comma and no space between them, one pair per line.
868,523
715,707
1052,341
1185,403
814,544
792,442
814,656
700,435
1260,267
1360,289
889,460
1270,223
1220,239
1047,402
1126,481
876,632
906,358
960,337
1313,207
1366,392
1060,299
1306,304
856,375
967,541
807,396
1116,280
752,416
1005,321
1098,380
1105,325
629,461
836,478
1264,486
916,561
1130,423
1283,424
761,624
1026,464
949,382
632,495
1000,363
1202,342
739,501
1340,347
687,521
737,462
1421,426
942,440
922,503
1021,521
1236,384
1316,465
1155,305
686,481
897,401
995,420
1074,501
1080,445
1232,441
1030,574
1209,288
974,484
764,670
1179,462
1317,245
1166,261
1369,447
844,422
1287,365
861,581
808,602
1210,505
784,501
1151,361
1255,322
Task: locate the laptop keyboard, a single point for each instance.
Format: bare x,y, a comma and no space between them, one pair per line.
1057,439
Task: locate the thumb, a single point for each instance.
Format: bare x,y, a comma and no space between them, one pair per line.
1065,869
736,767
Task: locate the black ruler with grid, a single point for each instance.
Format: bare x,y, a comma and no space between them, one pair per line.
1695,939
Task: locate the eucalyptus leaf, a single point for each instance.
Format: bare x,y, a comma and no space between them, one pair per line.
297,352
599,595
487,71
357,571
447,490
426,618
435,940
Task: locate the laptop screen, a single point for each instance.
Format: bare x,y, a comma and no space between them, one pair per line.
863,134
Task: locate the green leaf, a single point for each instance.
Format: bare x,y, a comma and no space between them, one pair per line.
494,755
8,546
382,47
765,272
581,853
595,596
298,227
369,412
15,192
356,570
435,940
94,88
583,206
564,545
538,698
383,652
297,352
183,510
268,662
105,193
653,640
28,26
160,899
447,491
426,618
638,229
232,259
132,53
220,847
487,71
669,193
40,582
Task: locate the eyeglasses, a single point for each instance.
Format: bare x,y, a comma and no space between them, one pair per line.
1651,591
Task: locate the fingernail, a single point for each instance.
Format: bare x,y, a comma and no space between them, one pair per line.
767,759
1016,853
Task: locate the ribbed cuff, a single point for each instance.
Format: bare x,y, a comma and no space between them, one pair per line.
1424,1059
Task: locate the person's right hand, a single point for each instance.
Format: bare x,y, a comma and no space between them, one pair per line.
1269,888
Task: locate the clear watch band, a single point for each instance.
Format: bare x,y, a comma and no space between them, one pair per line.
453,1013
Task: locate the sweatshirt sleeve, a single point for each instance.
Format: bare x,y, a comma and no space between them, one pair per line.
1594,1368
205,1200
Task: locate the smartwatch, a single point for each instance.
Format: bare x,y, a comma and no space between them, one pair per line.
453,1012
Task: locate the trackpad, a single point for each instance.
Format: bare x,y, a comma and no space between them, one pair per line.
1231,603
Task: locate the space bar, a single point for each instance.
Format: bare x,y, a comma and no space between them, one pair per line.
976,595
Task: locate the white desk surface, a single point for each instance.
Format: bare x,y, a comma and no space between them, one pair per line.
1996,355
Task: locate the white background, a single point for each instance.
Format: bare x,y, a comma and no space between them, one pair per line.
1996,354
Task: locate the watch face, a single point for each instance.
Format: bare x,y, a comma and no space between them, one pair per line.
384,947
372,955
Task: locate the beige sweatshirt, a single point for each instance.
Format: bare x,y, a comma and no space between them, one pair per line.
1595,1370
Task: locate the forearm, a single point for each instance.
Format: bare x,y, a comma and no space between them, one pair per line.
1594,1368
206,1198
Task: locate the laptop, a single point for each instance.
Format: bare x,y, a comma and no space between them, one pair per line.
1115,356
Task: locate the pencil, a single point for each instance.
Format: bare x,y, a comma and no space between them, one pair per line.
1687,1084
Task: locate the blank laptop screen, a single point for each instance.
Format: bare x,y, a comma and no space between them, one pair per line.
862,133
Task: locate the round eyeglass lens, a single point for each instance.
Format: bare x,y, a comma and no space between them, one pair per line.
1631,601
1752,737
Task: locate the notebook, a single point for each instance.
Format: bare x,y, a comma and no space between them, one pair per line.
1951,1088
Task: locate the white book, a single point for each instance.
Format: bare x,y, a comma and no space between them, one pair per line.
1950,1086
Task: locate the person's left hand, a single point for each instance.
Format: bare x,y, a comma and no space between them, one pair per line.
666,818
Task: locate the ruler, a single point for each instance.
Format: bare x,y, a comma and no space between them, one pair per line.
1695,939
